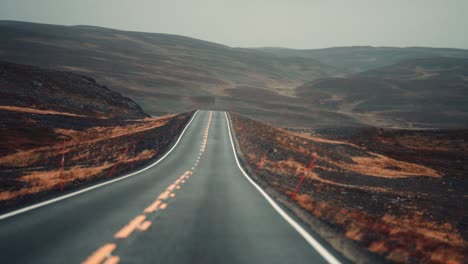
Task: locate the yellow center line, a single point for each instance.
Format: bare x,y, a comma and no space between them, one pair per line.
144,226
101,254
130,227
112,260
153,207
164,195
171,187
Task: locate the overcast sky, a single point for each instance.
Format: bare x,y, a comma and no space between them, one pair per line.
254,23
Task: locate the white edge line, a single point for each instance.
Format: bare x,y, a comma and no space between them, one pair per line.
60,198
308,237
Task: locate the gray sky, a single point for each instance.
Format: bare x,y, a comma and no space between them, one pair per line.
254,23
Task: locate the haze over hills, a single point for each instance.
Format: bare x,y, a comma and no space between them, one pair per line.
177,72
361,58
346,86
421,93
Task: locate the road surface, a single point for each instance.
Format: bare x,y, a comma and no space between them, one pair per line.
194,206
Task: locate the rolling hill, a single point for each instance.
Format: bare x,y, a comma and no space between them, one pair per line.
362,58
344,86
23,86
420,93
163,73
48,114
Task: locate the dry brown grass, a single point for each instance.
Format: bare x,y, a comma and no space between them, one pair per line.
295,169
379,165
442,232
36,111
24,158
82,146
398,223
319,139
382,166
391,235
89,136
46,180
95,134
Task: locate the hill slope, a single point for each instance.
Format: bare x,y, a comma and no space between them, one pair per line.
179,73
167,73
47,113
423,93
58,91
362,58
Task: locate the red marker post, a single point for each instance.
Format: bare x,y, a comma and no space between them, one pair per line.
260,162
62,164
121,158
133,154
301,180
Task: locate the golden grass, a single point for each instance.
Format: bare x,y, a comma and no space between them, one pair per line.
441,232
89,136
383,166
318,139
46,180
436,243
297,169
36,111
96,134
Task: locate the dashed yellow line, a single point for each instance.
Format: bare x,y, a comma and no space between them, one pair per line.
127,230
101,254
153,207
144,226
112,260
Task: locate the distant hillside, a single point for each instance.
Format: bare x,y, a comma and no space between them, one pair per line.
163,73
358,59
391,87
449,69
61,92
421,93
60,131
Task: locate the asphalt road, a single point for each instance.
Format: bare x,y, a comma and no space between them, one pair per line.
194,206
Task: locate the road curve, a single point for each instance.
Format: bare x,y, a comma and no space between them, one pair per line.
195,206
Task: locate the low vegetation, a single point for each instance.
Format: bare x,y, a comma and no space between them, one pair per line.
368,189
91,152
49,114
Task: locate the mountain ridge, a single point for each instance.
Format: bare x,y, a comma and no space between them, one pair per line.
164,74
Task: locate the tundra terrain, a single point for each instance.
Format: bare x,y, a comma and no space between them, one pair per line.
348,86
398,194
47,115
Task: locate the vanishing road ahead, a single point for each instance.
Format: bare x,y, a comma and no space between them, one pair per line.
195,205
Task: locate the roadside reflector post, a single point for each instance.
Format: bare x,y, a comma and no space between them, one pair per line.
120,159
133,154
260,162
301,180
62,164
